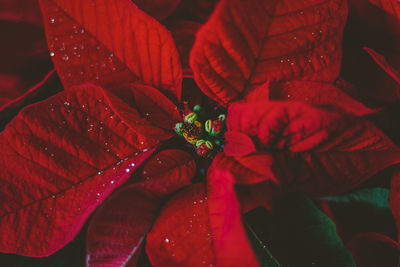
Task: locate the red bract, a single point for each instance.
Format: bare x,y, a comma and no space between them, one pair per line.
292,129
246,43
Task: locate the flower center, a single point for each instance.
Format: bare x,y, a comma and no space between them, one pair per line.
205,134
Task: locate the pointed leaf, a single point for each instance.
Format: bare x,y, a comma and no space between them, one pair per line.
118,229
155,106
238,144
307,149
248,42
166,172
191,238
364,210
307,236
319,94
60,158
232,248
92,42
181,235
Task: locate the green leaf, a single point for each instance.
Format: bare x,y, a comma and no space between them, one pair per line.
306,236
263,254
365,210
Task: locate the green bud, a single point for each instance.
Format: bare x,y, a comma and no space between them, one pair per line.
222,117
209,145
197,108
200,142
191,117
178,127
217,142
208,126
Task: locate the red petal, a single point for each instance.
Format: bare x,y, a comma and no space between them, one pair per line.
159,9
246,43
238,144
166,172
230,242
117,230
181,235
310,150
156,107
60,158
108,49
319,94
374,250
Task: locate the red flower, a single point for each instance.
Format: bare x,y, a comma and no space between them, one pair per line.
289,128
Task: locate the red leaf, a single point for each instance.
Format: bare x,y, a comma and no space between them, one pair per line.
60,158
382,62
167,172
248,169
110,44
193,230
374,250
117,230
260,93
159,9
156,107
238,144
307,149
230,242
246,43
319,94
9,110
181,235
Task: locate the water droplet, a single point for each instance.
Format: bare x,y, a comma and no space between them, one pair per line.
295,37
97,77
82,30
281,60
53,196
322,56
98,194
288,96
292,63
127,170
99,172
112,182
166,240
65,57
52,20
201,201
52,54
132,164
312,33
51,155
66,104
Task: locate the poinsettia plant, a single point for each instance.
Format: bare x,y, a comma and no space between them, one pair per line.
132,147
